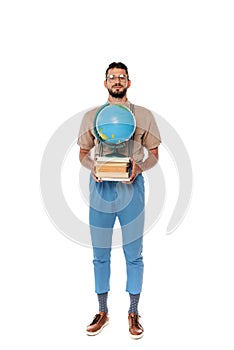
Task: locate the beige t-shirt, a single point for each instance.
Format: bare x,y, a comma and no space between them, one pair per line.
146,134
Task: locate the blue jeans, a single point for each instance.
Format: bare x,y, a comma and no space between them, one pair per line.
108,200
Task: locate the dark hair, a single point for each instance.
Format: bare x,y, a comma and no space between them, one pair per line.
117,65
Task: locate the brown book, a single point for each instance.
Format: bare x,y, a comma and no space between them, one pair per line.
111,168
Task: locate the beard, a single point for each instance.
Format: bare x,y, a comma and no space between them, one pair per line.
118,94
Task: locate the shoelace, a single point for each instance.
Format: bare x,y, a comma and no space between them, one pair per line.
135,320
96,319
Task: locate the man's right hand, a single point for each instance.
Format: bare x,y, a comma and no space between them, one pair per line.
88,162
93,172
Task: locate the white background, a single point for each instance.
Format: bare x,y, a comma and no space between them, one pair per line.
53,58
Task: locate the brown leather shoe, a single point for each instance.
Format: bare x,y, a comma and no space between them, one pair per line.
99,322
135,328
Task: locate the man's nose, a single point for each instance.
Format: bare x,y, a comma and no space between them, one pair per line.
117,79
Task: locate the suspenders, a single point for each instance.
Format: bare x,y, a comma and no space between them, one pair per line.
130,142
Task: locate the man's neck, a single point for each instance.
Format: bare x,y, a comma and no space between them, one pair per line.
113,100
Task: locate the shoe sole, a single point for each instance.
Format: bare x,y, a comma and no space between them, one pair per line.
136,336
98,331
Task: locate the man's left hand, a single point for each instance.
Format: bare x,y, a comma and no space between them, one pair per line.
136,170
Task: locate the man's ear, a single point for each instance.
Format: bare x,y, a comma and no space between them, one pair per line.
105,84
128,83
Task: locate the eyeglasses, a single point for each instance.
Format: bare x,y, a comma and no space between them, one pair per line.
121,77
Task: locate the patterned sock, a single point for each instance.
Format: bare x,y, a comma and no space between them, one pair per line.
134,300
102,299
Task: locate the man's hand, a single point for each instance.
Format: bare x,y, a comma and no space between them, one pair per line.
148,163
87,162
93,171
136,170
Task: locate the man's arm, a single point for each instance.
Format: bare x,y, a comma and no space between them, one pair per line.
88,162
85,158
148,163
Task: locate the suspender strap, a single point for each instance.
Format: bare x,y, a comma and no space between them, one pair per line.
130,142
132,108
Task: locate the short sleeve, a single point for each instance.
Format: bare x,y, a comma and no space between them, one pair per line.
86,135
151,138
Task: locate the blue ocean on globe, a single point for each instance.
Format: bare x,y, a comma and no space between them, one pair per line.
115,124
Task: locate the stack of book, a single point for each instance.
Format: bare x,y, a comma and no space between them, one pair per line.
112,169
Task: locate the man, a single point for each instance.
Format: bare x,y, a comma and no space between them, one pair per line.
130,213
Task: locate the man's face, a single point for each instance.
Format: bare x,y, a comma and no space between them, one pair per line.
117,82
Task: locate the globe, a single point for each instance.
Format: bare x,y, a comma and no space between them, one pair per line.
114,124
